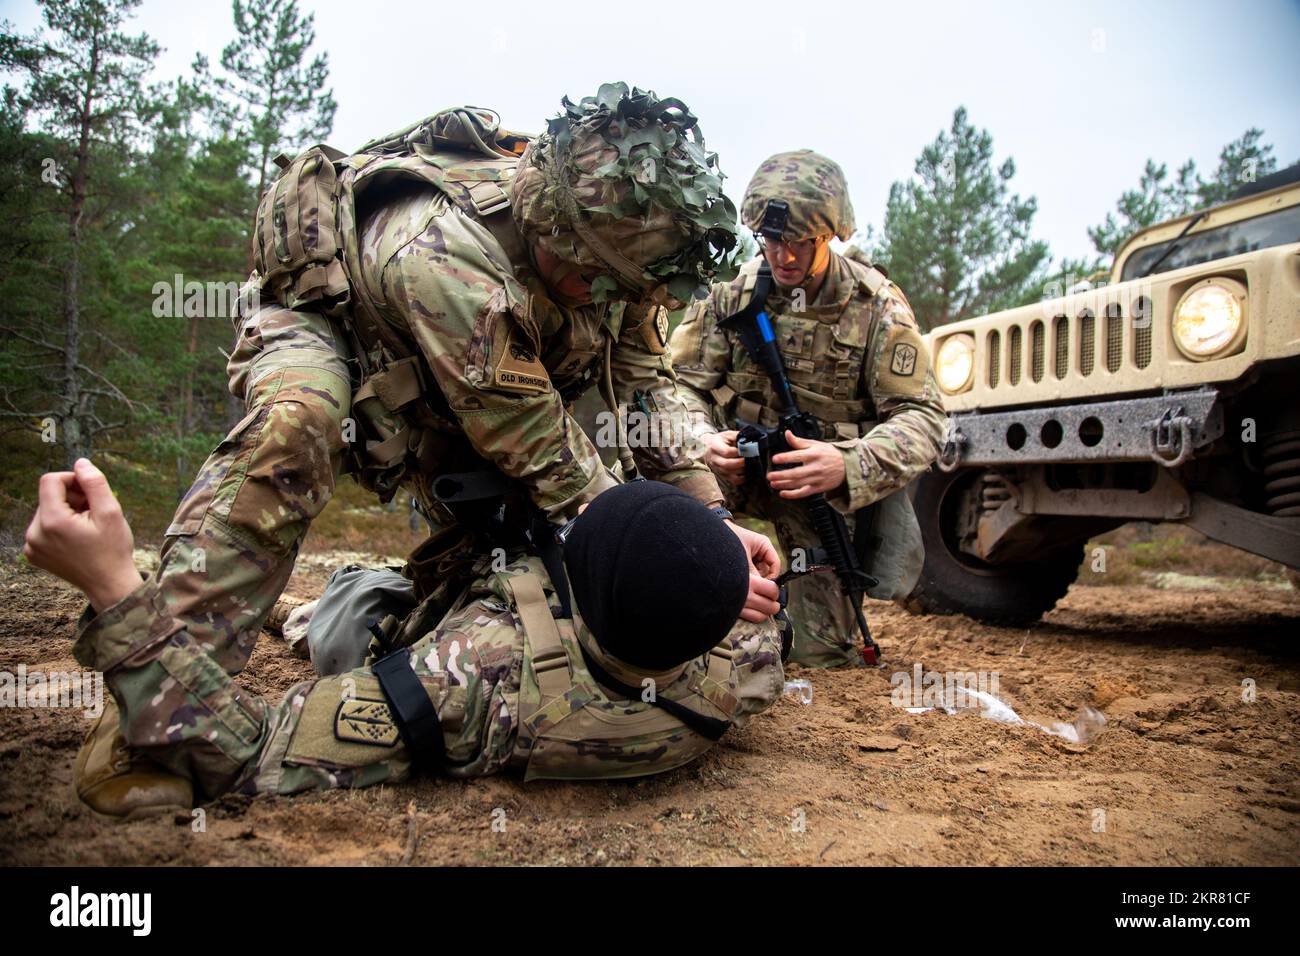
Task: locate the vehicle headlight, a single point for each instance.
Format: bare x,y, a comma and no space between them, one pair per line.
954,365
1210,318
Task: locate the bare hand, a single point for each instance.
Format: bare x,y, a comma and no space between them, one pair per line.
819,468
722,457
80,534
764,565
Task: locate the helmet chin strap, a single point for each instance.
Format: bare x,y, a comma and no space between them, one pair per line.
817,268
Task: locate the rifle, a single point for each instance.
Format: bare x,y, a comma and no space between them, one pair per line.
757,444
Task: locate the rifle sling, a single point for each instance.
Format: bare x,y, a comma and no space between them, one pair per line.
709,727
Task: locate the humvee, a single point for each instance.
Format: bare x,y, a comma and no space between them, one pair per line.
1169,394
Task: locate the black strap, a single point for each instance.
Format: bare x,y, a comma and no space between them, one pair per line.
417,721
542,536
455,487
865,540
710,727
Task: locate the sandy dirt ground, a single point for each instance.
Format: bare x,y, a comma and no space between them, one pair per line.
1187,771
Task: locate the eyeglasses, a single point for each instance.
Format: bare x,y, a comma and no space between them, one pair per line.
797,246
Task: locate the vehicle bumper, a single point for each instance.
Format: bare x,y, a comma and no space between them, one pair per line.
1167,429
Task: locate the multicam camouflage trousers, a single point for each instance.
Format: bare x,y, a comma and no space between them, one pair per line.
228,554
825,629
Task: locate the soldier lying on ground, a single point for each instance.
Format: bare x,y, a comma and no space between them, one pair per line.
474,283
627,660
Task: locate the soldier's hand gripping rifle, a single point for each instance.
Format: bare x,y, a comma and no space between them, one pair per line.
756,444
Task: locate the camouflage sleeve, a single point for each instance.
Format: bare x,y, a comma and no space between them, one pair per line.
230,548
760,676
182,709
476,327
700,354
911,424
659,425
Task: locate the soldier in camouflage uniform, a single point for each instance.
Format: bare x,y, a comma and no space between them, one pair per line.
512,677
462,303
856,361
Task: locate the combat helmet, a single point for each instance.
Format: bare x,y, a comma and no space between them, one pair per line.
621,181
811,185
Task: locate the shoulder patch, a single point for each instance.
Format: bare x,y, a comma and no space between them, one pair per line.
904,360
520,370
361,720
902,364
655,331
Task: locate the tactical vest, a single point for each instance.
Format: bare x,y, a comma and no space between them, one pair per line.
569,726
824,349
306,253
828,343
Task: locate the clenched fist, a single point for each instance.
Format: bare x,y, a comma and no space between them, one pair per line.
80,534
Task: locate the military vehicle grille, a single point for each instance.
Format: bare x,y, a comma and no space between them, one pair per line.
1036,349
1087,343
1142,332
1066,346
1114,336
1015,345
1061,337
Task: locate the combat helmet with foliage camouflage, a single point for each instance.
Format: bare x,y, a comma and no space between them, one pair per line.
620,182
815,189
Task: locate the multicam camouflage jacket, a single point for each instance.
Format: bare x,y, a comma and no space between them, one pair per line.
507,358
497,710
855,360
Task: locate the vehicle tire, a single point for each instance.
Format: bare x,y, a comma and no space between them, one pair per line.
953,582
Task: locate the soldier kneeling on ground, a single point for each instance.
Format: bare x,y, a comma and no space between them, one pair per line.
627,657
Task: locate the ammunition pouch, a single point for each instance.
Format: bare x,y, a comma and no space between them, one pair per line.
445,556
297,244
377,455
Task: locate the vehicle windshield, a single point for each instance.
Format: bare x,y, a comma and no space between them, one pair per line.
1272,229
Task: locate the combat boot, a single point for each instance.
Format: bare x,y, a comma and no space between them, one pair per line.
285,606
112,780
289,619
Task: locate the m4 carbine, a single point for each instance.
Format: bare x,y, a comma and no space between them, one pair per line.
757,444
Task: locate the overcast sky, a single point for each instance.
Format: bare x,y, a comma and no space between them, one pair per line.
1080,94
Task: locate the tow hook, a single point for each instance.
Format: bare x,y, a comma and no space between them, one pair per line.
954,442
1171,437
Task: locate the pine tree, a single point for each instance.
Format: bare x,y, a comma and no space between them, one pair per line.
1158,198
1242,161
86,91
1155,199
279,98
954,239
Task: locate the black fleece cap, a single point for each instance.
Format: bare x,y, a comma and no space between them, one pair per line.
658,577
